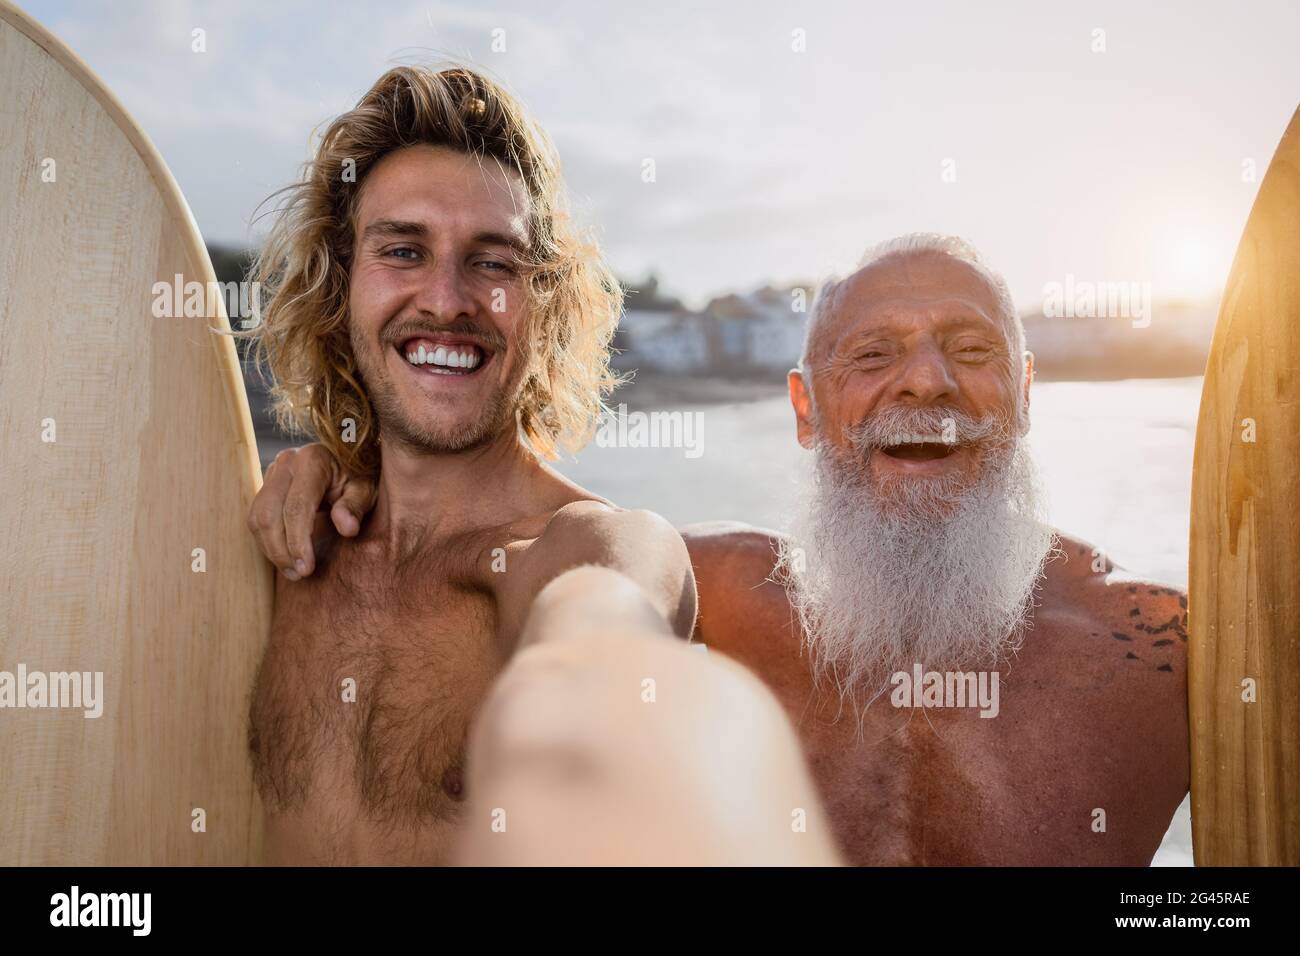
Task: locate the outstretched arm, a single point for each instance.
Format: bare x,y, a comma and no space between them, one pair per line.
605,743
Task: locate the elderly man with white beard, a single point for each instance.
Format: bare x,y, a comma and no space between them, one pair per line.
919,567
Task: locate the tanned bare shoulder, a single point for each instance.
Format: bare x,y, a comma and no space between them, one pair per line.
738,548
638,543
1145,620
1120,642
743,610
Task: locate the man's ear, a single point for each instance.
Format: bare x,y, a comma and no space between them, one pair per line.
801,399
1029,380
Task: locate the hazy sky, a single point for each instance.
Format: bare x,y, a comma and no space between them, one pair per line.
771,164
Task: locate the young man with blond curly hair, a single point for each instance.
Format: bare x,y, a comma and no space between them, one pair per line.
438,323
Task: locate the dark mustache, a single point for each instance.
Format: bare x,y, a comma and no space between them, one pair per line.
900,423
490,339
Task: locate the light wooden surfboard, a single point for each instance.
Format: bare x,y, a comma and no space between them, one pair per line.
1244,604
153,457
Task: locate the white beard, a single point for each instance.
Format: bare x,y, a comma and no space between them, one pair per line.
936,572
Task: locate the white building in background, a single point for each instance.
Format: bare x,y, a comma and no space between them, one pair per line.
776,339
666,341
759,329
756,331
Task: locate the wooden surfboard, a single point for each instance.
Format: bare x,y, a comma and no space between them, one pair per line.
127,463
1244,604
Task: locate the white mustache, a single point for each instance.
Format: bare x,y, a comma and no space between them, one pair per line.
897,424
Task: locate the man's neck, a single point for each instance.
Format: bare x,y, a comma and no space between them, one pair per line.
423,495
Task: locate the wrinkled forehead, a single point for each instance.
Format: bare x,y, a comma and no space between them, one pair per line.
908,290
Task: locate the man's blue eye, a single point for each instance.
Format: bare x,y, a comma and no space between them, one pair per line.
394,252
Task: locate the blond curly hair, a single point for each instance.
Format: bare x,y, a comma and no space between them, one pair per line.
574,300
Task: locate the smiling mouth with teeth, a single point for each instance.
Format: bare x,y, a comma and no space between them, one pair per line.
444,358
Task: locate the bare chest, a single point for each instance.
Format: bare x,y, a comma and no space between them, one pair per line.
1068,765
359,717
925,785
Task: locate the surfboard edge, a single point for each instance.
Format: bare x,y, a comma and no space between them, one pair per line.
223,343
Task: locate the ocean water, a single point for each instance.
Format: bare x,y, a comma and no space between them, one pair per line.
1116,458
